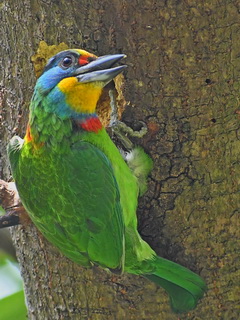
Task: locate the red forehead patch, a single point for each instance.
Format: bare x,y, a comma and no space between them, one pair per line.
83,60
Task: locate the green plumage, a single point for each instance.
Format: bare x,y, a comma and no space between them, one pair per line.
82,195
63,206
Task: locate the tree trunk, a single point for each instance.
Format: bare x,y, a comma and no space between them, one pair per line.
182,80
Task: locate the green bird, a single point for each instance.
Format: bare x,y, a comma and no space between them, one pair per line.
77,187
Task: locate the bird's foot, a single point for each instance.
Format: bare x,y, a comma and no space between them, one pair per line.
120,129
121,126
123,132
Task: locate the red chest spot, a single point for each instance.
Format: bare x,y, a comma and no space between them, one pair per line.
91,124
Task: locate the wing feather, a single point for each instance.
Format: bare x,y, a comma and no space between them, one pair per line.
73,198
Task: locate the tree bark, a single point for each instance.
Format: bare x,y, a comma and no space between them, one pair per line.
182,80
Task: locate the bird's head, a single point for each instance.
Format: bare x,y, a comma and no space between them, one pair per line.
72,80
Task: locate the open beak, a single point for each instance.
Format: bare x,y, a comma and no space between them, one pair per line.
100,69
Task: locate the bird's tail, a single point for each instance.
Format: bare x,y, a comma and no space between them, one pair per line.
184,287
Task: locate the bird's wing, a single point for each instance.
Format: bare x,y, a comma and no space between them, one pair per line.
96,220
73,198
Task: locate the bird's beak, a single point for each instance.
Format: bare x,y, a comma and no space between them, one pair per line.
100,69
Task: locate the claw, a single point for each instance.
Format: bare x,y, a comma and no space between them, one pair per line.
120,129
116,129
128,130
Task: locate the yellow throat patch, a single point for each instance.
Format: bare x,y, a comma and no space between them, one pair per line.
81,97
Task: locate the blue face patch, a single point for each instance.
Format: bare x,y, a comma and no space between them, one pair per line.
51,78
55,71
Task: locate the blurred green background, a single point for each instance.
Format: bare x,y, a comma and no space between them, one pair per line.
12,302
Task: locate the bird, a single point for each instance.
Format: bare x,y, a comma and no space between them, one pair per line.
78,188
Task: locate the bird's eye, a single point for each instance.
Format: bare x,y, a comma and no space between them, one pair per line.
67,62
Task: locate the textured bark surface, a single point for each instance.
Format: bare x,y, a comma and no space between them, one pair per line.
183,81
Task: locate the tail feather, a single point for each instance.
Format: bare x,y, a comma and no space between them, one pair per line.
184,287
